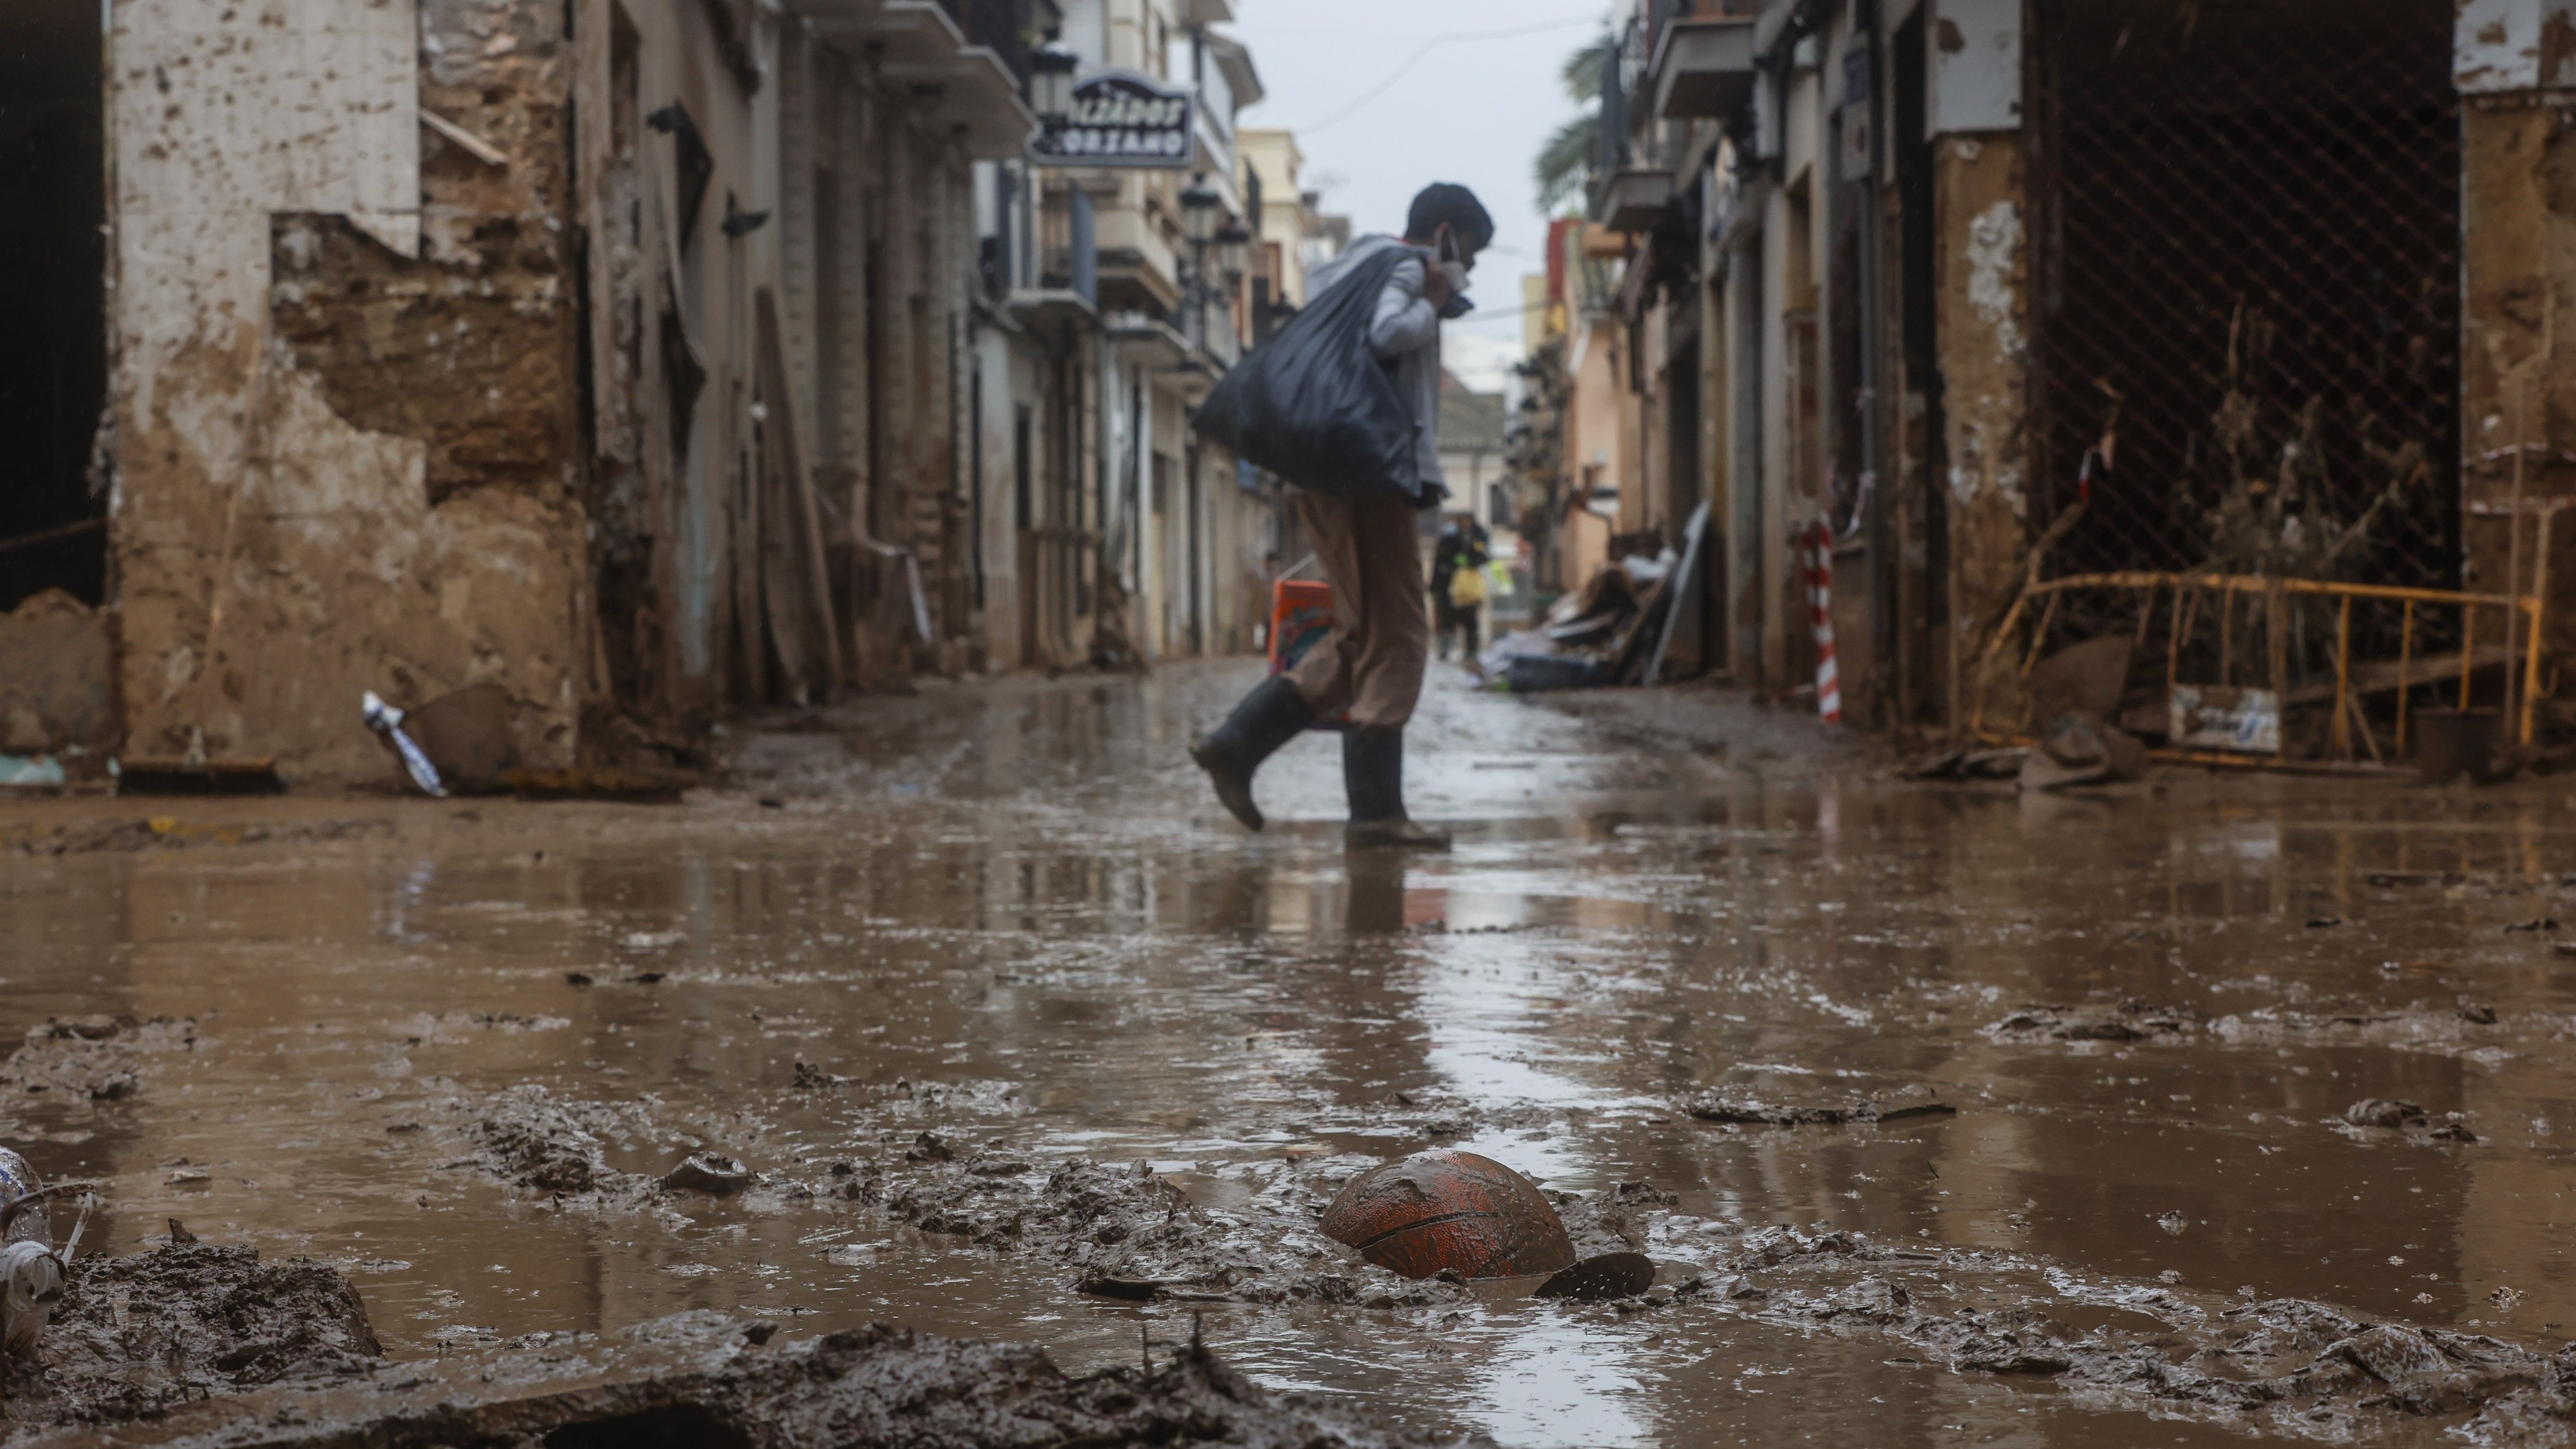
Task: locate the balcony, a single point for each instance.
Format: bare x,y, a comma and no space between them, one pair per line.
923,45
1005,27
1633,199
1703,67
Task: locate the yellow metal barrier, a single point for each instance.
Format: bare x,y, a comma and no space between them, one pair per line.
2274,595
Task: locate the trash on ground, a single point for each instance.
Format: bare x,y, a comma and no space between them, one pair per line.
1450,1210
1609,632
1729,1107
469,736
2409,1118
2081,749
1598,1279
711,1173
149,775
387,722
32,773
1974,763
2127,1021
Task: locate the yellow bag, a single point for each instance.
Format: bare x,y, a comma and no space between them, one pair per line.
1466,588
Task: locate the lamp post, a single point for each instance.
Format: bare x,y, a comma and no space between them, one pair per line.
1233,244
1051,73
1199,207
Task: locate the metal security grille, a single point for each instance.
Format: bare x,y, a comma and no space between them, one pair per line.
2246,241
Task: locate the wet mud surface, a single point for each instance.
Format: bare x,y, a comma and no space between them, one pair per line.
2200,1111
137,1336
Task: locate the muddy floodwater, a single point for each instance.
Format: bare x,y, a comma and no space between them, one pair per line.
2260,1105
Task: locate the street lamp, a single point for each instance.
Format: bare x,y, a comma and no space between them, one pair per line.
1232,244
1199,206
1051,80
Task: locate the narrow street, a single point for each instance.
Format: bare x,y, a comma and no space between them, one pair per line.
925,955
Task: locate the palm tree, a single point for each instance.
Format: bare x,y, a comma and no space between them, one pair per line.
1565,162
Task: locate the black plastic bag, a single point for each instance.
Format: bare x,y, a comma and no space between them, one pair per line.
1315,405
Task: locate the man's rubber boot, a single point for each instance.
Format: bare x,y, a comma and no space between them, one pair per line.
1270,716
1373,774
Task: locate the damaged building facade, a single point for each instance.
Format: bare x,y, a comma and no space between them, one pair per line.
1949,296
649,359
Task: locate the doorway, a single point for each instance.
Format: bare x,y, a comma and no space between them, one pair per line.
53,303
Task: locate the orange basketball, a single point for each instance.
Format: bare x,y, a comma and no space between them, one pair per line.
1444,1209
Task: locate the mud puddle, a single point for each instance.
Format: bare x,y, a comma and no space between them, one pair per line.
1004,920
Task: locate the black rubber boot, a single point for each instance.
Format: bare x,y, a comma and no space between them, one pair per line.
1373,774
1270,716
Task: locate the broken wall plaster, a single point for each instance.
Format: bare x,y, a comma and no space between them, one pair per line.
1981,192
2519,271
2513,45
241,486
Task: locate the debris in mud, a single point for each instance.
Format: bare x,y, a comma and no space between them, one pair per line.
2127,1021
1450,1210
1602,1223
2298,1362
694,1379
542,1143
167,833
2406,1117
711,1173
93,1058
1969,764
134,1336
1726,1107
1599,1279
1125,1232
2174,1224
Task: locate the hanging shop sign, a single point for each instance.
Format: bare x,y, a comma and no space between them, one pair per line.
1121,119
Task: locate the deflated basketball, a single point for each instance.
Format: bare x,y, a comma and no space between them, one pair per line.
1442,1209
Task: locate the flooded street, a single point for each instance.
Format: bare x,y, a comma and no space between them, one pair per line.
982,934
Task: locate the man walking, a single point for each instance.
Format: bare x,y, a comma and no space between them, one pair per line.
1372,663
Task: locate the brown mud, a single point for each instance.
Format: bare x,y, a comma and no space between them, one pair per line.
706,1380
135,1337
999,1030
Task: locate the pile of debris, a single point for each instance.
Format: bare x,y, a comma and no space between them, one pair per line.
1635,622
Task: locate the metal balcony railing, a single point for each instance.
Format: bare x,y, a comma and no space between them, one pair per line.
1007,27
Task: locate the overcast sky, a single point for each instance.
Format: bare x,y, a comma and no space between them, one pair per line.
1472,109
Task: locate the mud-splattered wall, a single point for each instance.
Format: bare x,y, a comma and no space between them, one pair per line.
1984,268
2512,60
344,427
2518,377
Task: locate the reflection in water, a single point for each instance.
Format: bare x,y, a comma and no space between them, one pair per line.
1029,898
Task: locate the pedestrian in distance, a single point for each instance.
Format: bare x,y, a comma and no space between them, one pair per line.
1368,548
1458,586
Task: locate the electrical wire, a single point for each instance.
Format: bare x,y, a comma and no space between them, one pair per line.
1423,52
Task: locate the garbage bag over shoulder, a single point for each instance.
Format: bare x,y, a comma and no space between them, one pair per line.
1315,405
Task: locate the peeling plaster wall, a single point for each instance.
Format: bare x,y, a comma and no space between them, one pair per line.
2513,45
370,494
2519,326
1980,219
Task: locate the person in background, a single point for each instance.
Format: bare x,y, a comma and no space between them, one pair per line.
1367,546
1458,604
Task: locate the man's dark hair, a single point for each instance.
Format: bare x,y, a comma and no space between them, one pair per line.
1446,201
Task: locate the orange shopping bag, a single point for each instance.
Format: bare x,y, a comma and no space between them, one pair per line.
1301,614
